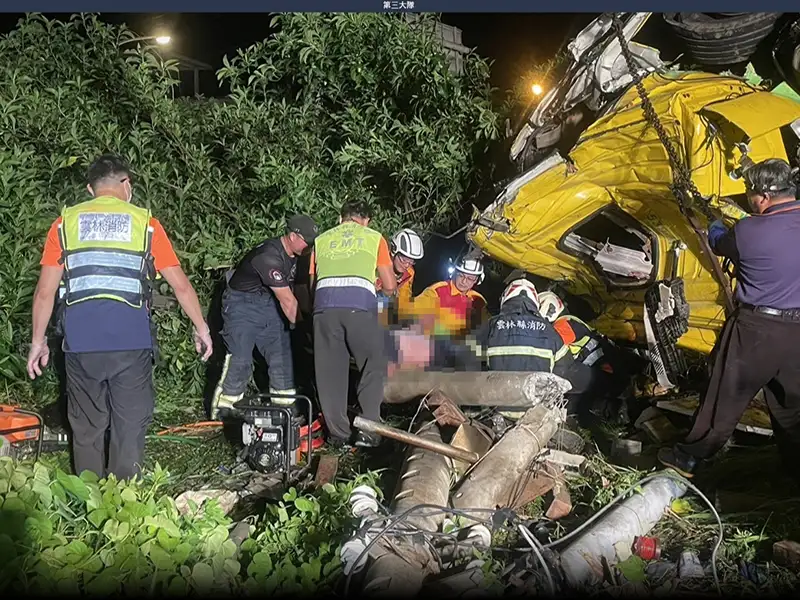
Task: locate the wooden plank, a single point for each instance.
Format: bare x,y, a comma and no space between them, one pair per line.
327,468
754,420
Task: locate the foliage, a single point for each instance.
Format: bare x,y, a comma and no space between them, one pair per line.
333,107
67,534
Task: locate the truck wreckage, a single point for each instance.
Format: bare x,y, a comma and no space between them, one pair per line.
617,217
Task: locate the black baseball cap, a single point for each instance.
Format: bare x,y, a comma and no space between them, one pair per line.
304,226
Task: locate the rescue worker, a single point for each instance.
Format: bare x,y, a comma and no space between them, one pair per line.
258,310
608,371
346,324
519,338
452,308
101,256
757,348
585,344
406,248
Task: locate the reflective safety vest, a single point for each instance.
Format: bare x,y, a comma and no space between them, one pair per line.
523,342
582,340
105,246
346,259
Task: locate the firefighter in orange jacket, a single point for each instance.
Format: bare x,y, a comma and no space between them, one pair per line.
406,248
611,367
452,308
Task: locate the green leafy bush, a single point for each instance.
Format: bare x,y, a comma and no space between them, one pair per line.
333,107
61,533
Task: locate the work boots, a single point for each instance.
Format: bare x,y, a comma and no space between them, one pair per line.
678,460
223,402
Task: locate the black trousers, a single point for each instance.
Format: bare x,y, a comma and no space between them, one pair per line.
754,351
340,333
110,391
252,321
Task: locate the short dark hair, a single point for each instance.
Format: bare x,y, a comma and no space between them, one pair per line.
773,177
356,209
107,167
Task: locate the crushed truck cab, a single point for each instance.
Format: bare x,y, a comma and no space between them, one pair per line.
603,221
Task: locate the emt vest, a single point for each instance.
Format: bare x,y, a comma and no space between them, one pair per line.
106,252
583,342
347,258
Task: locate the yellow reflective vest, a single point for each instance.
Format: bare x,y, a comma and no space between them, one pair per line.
106,252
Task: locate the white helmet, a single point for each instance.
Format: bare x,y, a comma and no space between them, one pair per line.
408,243
471,266
550,306
520,287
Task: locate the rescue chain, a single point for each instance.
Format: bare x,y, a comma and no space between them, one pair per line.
682,183
682,186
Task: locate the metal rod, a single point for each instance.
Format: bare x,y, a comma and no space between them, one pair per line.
415,440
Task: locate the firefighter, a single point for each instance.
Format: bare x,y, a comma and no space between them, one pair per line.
608,370
585,344
452,308
101,256
519,338
406,248
259,309
757,348
346,320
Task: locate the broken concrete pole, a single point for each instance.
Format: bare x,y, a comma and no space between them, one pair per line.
468,388
401,563
611,537
414,440
494,479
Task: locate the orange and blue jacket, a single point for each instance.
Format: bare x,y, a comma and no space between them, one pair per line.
444,310
404,301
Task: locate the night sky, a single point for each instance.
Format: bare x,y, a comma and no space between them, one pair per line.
514,42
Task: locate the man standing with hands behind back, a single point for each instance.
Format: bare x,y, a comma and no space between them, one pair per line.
346,324
108,251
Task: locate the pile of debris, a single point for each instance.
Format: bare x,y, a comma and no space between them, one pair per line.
465,480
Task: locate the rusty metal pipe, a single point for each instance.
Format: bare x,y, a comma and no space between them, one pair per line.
415,440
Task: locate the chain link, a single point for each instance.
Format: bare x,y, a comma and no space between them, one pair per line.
682,185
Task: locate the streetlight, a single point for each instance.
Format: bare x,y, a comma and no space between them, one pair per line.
536,89
161,40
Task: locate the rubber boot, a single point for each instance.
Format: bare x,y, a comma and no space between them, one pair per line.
223,402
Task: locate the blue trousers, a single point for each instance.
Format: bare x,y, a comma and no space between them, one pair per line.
254,321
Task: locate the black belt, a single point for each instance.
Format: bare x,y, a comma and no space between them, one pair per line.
792,314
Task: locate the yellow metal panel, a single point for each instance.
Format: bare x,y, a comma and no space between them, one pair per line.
620,161
758,113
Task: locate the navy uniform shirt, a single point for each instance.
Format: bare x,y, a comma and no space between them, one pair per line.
766,251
